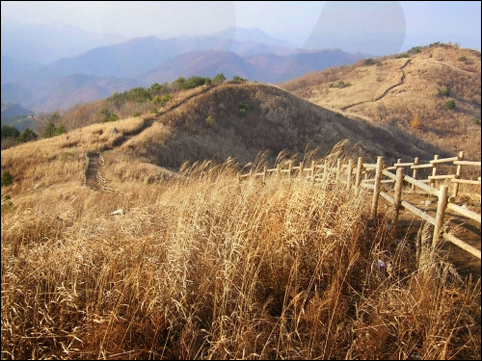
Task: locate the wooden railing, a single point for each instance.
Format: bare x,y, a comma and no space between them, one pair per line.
357,178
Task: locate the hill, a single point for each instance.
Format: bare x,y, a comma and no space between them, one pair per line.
216,122
406,89
14,110
13,114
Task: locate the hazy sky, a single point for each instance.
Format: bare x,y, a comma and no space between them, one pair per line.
407,23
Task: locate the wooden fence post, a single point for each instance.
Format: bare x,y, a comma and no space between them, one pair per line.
265,172
338,169
290,168
349,174
414,173
301,169
376,191
325,171
278,170
397,199
434,171
313,170
359,168
457,174
442,204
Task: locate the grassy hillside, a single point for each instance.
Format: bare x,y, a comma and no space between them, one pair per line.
214,123
215,268
196,264
397,89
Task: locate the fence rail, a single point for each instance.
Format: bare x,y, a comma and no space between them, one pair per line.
352,177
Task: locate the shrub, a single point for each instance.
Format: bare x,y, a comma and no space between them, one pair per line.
402,55
157,89
26,136
136,114
166,98
49,130
242,113
415,50
219,78
210,121
341,84
238,79
463,58
243,109
162,100
368,62
179,82
379,79
9,132
444,92
477,121
450,104
7,179
139,95
60,130
156,100
416,123
108,116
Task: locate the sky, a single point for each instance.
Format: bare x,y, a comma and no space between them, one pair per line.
392,25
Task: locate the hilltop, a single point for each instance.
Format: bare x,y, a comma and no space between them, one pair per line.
412,91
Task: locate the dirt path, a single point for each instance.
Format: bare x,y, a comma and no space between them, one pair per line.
91,178
453,67
401,82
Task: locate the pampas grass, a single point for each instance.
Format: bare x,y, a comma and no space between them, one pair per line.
206,266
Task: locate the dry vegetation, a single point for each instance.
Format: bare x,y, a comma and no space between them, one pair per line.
201,265
212,267
274,120
238,120
387,93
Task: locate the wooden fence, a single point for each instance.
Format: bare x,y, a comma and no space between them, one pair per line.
376,177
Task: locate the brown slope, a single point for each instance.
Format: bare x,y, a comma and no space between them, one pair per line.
206,124
275,120
395,90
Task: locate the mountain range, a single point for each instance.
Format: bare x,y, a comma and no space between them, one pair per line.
96,73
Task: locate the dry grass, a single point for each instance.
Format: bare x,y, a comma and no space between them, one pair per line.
277,121
212,267
61,159
413,90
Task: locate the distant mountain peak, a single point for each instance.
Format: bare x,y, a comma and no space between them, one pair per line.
253,35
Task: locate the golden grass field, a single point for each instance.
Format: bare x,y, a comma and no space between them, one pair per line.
212,267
